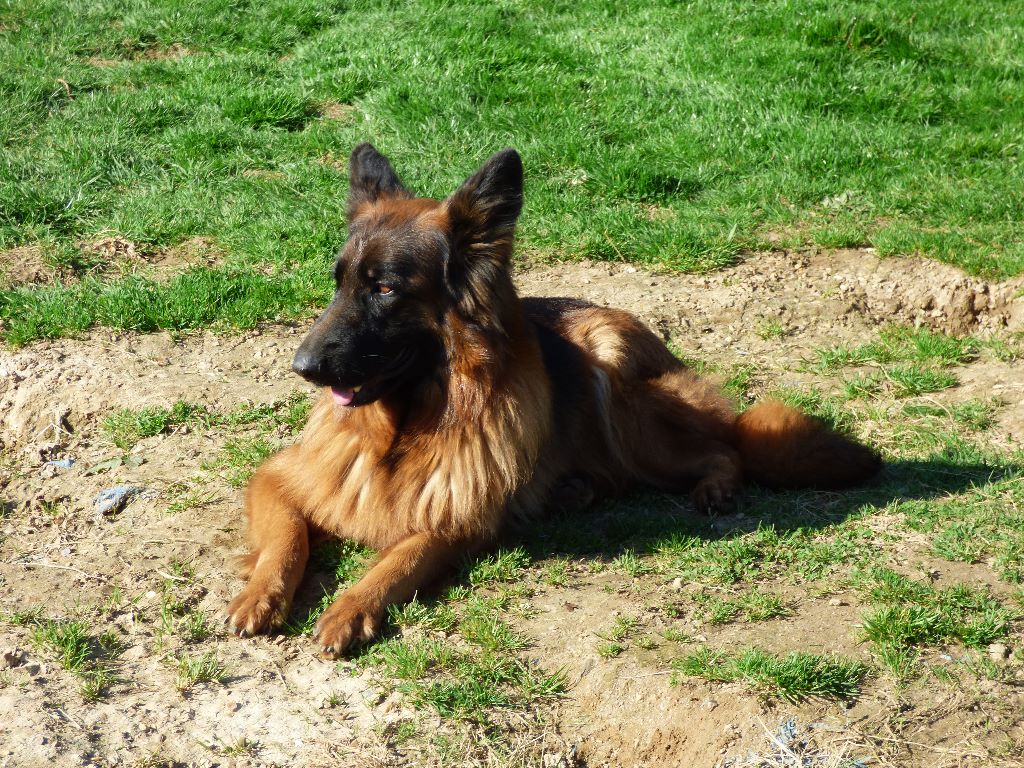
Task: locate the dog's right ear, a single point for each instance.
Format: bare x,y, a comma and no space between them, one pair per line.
370,178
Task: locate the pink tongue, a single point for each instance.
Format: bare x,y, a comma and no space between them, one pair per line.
342,396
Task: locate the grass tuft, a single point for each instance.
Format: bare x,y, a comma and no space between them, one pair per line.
914,614
794,677
78,651
199,668
751,606
901,344
502,566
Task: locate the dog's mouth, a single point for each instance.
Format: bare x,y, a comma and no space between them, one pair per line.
346,395
379,385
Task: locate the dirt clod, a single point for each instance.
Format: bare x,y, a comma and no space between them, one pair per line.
999,652
12,657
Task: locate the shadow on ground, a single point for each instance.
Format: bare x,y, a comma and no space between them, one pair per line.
642,523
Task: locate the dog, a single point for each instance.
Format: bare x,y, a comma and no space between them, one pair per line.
451,408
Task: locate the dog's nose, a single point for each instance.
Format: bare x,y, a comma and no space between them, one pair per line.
306,364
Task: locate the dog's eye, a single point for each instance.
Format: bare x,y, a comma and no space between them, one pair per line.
382,289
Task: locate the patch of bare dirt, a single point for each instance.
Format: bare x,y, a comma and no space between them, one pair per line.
172,52
119,256
337,162
168,52
194,252
293,708
26,265
627,711
262,173
339,111
110,257
816,297
622,712
85,379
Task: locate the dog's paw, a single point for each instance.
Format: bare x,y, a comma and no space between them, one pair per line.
572,494
255,611
348,622
715,494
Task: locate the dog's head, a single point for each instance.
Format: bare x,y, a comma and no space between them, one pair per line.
408,267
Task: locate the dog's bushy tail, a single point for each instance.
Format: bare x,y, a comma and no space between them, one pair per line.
783,447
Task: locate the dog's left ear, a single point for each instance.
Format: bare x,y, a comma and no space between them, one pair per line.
482,215
483,211
371,177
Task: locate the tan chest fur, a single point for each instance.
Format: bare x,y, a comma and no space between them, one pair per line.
359,475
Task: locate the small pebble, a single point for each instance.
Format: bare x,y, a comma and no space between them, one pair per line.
998,652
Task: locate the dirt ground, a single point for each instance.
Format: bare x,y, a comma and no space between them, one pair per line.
301,710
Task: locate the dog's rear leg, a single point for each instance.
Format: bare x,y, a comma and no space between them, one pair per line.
279,538
720,481
714,466
399,572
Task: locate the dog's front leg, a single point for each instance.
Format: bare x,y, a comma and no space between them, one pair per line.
399,572
279,537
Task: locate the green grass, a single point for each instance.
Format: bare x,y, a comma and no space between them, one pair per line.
974,415
125,427
502,566
483,626
614,640
254,431
243,455
983,524
912,614
631,563
557,573
751,606
460,656
196,299
194,669
69,640
771,329
910,380
474,686
794,677
343,562
899,381
898,343
89,657
660,133
196,626
610,649
763,554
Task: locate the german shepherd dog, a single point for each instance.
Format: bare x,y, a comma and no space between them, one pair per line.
451,407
